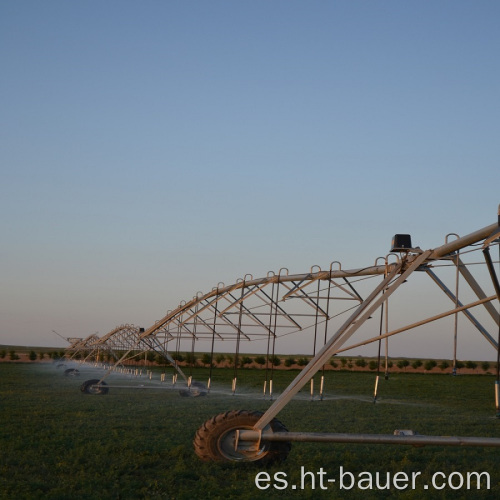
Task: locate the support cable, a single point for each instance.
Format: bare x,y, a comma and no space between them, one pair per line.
274,336
315,334
238,338
377,378
213,343
322,386
496,284
193,342
455,324
269,339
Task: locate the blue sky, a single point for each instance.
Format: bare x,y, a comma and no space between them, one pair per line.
152,149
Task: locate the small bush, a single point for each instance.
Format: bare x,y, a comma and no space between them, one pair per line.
220,358
246,360
444,365
275,360
302,361
150,356
416,364
471,365
177,356
361,362
429,365
485,366
3,353
32,356
13,356
260,360
289,362
191,358
402,364
333,363
205,359
373,365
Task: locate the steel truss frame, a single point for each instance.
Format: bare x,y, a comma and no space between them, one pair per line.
394,275
81,346
123,338
281,304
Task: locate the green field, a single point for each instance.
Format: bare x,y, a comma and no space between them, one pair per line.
58,443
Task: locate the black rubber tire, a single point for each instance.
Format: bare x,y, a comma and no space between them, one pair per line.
91,387
71,372
214,440
195,390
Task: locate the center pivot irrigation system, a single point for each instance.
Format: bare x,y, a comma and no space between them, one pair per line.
333,308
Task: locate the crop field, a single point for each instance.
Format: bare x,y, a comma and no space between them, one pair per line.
59,443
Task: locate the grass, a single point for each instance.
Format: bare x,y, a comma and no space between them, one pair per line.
58,443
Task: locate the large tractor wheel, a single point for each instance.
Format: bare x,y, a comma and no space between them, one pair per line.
215,439
94,387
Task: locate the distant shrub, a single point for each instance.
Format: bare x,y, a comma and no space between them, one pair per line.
260,360
41,355
373,365
485,366
150,356
429,365
191,358
275,360
290,361
471,365
13,356
343,362
220,358
177,356
302,361
3,353
361,362
444,365
206,359
246,360
416,364
402,364
459,365
333,363
32,356
390,364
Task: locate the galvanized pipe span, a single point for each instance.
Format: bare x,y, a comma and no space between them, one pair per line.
437,253
412,439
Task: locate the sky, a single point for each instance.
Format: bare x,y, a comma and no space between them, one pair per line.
150,150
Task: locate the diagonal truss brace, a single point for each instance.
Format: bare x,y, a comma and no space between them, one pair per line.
360,315
466,312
